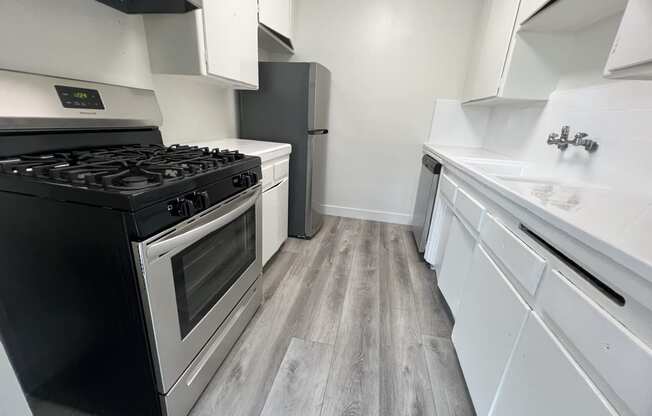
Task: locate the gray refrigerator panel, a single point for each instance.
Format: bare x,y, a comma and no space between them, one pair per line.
319,97
291,104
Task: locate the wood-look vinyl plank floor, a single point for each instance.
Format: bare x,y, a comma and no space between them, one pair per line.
351,324
298,389
404,380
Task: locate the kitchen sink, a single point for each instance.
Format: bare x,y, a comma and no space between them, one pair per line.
550,181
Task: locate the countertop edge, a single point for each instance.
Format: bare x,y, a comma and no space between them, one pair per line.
635,264
268,150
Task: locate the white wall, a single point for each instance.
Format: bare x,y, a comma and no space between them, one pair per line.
389,60
84,39
195,110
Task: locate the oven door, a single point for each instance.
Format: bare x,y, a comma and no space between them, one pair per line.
193,275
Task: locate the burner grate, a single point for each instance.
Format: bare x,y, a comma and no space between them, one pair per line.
121,167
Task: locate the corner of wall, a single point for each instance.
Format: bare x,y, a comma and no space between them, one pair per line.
454,124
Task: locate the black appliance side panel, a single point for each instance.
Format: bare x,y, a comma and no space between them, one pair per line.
278,112
70,314
14,144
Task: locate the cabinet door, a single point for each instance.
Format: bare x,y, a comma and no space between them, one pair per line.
495,29
631,54
277,15
531,7
455,264
231,40
542,379
486,328
275,218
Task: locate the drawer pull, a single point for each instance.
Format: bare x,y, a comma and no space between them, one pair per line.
601,286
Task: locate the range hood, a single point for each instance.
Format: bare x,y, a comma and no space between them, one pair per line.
153,6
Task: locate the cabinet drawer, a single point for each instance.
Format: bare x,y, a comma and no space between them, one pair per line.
617,361
523,263
448,188
469,208
268,176
281,169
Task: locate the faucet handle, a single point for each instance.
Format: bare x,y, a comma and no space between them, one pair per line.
552,137
591,146
565,131
580,136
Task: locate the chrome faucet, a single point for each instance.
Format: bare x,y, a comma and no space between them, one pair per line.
562,142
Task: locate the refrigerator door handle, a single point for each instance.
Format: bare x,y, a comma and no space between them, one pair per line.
317,132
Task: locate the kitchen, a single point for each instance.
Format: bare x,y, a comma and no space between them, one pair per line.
432,207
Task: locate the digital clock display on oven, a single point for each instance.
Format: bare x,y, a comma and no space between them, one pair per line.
83,98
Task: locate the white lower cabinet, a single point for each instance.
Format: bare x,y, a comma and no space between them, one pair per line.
543,380
275,218
490,318
455,264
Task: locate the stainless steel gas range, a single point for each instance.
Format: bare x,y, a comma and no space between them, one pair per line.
130,269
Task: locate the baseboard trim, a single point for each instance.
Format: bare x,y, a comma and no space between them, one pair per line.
367,214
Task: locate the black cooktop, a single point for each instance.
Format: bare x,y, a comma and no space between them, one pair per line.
120,168
126,176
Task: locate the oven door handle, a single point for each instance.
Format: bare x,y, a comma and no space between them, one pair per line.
161,247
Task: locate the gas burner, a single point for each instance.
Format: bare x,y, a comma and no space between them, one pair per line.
121,167
133,178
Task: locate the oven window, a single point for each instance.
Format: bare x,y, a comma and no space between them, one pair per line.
205,271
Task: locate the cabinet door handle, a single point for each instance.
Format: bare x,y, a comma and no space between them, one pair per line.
275,186
598,284
317,132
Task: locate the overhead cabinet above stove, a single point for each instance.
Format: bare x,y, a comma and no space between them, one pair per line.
276,20
217,43
152,6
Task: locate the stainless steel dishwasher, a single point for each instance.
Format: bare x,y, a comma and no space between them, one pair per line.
428,182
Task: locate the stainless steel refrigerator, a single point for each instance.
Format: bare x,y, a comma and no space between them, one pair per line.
292,106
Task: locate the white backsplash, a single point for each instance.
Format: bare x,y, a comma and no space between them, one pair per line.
457,125
618,115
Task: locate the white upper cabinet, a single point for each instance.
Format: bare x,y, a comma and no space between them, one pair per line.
493,36
566,15
510,66
277,16
275,32
531,7
218,43
523,46
631,54
231,37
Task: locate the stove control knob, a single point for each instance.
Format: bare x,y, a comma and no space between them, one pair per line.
198,201
179,208
247,180
254,177
238,181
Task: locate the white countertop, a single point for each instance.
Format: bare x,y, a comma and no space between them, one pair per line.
617,224
265,150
